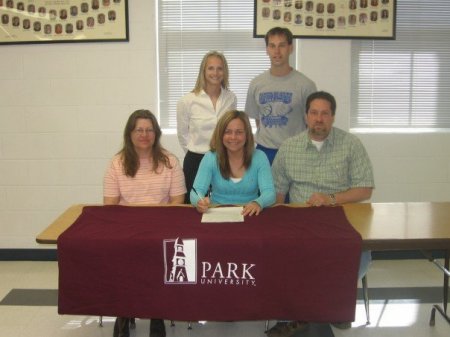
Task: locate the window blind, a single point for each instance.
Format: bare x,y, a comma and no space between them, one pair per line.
404,84
188,29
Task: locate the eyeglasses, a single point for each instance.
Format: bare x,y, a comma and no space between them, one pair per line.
230,132
141,132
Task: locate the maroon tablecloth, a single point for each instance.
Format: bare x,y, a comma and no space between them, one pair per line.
286,263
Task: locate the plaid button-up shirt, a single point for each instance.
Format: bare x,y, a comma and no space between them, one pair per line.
300,169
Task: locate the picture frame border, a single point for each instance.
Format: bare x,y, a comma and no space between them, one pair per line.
262,25
18,35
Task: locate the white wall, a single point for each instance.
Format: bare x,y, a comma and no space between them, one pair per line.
63,108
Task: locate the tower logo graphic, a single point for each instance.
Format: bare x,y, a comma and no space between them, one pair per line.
180,261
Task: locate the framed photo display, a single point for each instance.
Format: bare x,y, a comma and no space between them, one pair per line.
49,21
345,19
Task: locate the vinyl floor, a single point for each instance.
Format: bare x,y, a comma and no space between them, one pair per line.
402,294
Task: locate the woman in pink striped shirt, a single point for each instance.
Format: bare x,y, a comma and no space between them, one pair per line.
143,173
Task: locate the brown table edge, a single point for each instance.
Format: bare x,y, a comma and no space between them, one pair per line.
68,217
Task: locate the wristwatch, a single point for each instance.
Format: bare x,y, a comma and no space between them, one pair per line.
333,199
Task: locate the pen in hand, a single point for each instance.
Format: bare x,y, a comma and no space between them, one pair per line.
198,194
203,203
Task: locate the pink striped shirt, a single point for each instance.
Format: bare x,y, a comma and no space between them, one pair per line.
146,187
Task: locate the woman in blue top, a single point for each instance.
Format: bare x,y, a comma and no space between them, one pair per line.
236,172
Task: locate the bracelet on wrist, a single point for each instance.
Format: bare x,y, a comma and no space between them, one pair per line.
332,199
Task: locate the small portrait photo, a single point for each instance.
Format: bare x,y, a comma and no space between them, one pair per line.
90,22
352,19
42,11
101,18
84,7
384,14
363,3
384,2
276,14
374,3
319,23
1,3
73,10
352,4
53,14
373,16
69,28
287,3
309,21
341,21
26,24
47,29
298,4
10,4
117,1
320,8
276,2
63,14
330,23
309,6
95,4
5,19
106,3
298,19
331,8
31,9
37,26
15,21
362,18
287,17
20,6
58,28
111,15
265,12
80,25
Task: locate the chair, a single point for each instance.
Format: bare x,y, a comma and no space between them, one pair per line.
132,322
172,323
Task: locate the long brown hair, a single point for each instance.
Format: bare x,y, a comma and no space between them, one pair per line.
216,143
130,158
201,82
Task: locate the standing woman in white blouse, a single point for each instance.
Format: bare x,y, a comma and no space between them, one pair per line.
199,111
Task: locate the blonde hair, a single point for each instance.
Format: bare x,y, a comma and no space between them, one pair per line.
201,81
216,143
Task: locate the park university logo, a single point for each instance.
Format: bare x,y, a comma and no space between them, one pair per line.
180,261
181,267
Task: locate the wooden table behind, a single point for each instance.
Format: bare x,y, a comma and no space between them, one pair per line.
383,226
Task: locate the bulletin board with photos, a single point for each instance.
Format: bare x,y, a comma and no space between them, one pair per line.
348,19
48,21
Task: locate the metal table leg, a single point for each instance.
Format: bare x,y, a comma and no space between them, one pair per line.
442,310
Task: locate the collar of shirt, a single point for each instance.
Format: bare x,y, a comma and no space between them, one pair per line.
329,141
203,93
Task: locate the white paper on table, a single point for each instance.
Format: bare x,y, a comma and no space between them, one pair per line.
223,214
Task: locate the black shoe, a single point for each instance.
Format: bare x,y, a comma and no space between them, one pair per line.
342,325
121,327
157,328
287,329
